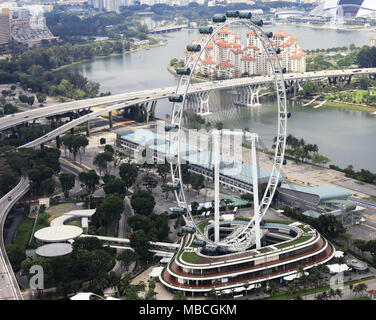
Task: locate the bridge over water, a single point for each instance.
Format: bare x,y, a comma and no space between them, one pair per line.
146,100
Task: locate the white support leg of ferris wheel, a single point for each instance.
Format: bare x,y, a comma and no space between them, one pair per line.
216,159
255,175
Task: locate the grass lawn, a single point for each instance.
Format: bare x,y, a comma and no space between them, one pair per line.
291,243
362,298
305,229
263,250
202,225
23,232
76,223
372,199
318,290
279,221
242,219
189,256
63,207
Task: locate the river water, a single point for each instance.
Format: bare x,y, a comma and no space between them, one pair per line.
345,136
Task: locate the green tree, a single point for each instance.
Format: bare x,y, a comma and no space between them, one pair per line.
90,179
319,159
127,257
115,186
139,241
163,170
128,172
179,296
47,186
310,88
67,181
101,160
38,174
16,255
112,206
87,243
143,202
149,182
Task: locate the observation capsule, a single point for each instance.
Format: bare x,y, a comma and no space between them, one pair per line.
219,18
169,127
183,71
232,14
245,15
178,210
173,186
208,30
259,23
278,51
269,34
200,243
175,98
288,116
194,47
186,229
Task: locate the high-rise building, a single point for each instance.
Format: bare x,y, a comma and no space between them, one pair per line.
4,28
227,57
372,40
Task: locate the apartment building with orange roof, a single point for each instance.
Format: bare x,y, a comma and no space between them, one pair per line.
250,57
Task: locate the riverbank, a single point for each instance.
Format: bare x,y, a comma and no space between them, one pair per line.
142,47
335,104
193,78
328,27
350,106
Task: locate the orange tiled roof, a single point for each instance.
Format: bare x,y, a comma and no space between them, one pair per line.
298,55
248,58
226,64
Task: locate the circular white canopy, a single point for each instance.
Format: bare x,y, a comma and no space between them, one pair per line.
58,233
54,250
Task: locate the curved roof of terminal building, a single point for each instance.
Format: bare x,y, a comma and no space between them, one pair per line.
193,155
54,250
325,193
58,233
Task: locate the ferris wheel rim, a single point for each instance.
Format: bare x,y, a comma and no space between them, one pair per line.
281,128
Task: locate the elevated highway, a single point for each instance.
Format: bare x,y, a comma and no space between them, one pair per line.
162,93
9,289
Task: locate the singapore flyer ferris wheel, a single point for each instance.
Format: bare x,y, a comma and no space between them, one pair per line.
249,234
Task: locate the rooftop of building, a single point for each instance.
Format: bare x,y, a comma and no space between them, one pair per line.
193,155
325,193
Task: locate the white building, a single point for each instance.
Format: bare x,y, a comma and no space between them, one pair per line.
372,40
345,8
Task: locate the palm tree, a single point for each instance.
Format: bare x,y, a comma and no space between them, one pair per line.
351,286
324,295
360,288
319,297
332,293
233,293
339,293
272,289
303,278
291,289
99,284
246,286
316,278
